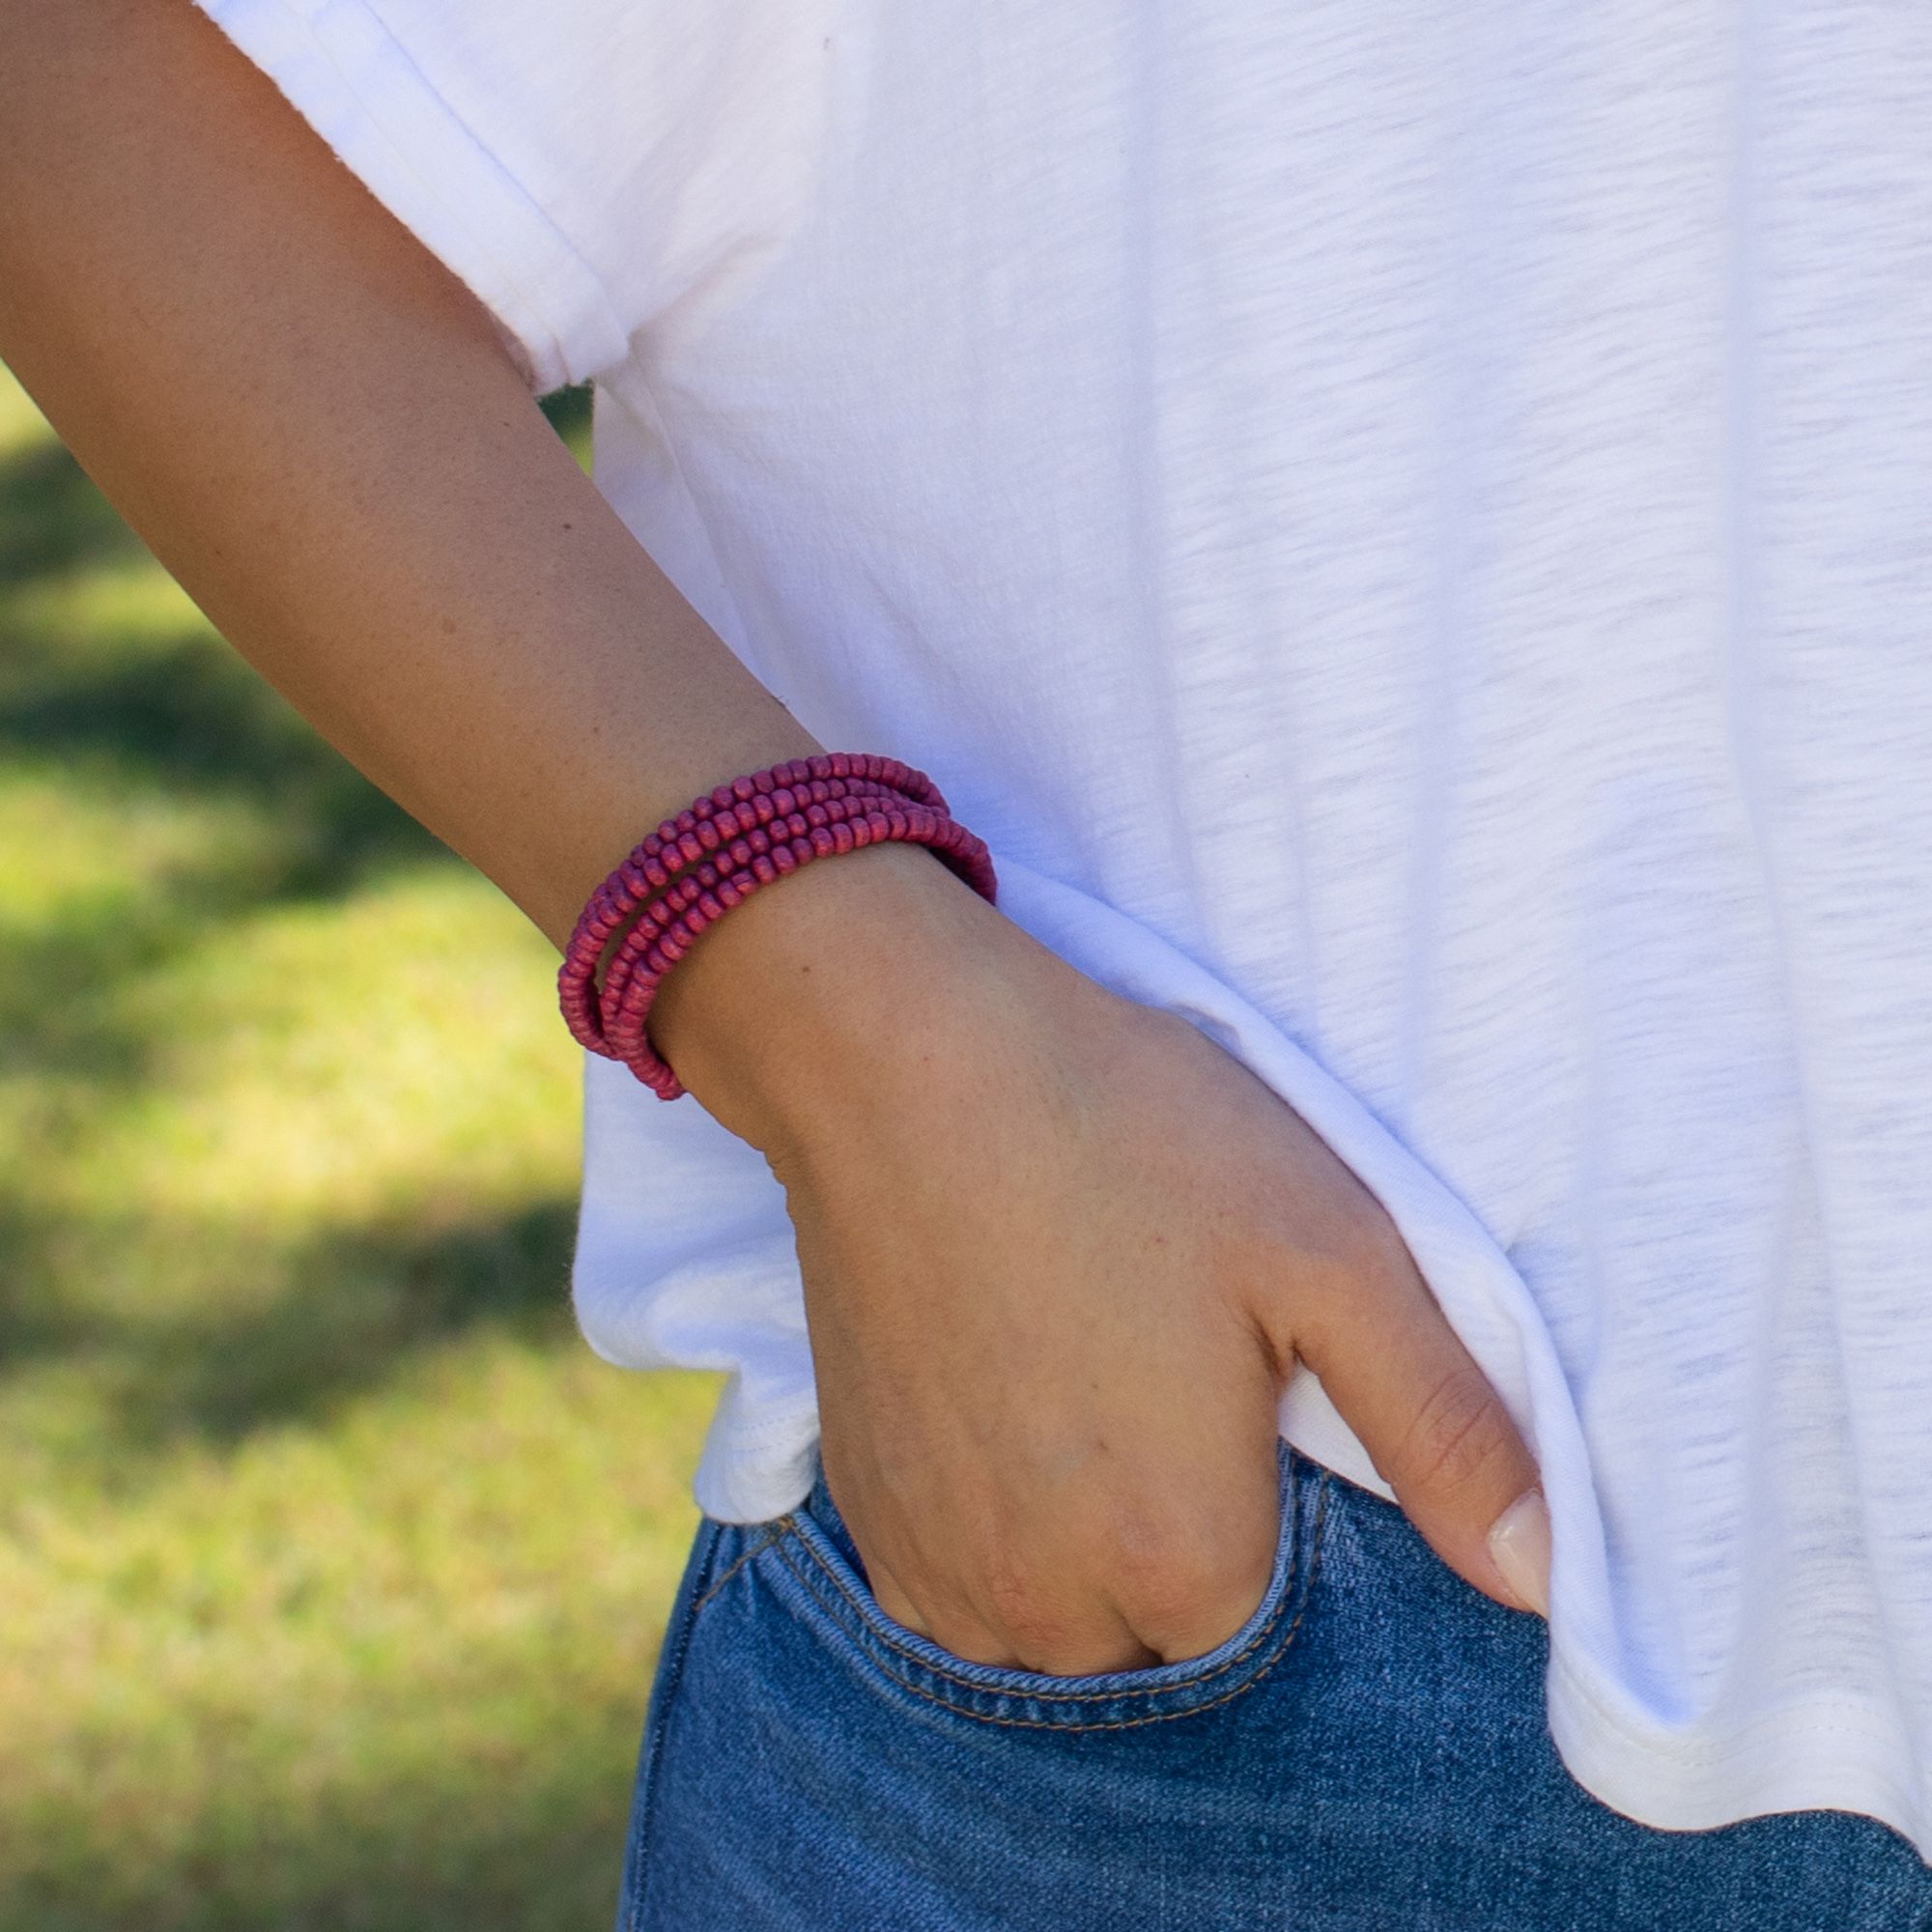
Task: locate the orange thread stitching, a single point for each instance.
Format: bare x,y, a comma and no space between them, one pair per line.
1055,1696
1105,1696
782,1528
1247,1650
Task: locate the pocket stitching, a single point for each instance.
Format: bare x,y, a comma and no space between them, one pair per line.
782,1528
919,1662
1096,1696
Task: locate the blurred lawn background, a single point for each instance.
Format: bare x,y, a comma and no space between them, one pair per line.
332,1564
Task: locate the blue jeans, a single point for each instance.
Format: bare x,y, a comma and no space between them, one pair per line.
1369,1753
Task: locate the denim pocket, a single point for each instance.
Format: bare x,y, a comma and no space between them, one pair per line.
828,1587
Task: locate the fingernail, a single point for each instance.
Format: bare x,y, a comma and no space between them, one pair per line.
1520,1548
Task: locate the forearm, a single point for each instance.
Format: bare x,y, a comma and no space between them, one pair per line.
1059,1252
317,430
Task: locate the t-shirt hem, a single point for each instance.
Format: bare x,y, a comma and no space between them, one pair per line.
1821,1754
358,88
752,1471
1812,1754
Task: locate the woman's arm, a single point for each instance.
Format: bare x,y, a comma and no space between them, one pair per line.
1059,1251
319,433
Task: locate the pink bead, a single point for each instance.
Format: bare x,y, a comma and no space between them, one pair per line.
713,854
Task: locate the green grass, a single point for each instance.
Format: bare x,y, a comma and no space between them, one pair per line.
332,1564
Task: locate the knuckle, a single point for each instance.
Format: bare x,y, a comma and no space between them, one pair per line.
1020,1609
1142,1546
1172,1577
1458,1434
1336,1257
966,1637
1089,1656
1370,1246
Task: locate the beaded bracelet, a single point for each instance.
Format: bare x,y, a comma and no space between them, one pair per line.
695,903
746,832
713,855
682,838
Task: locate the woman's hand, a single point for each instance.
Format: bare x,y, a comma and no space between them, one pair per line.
1061,1253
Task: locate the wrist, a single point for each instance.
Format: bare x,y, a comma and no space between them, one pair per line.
830,992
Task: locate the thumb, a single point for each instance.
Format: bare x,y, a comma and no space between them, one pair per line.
1435,1429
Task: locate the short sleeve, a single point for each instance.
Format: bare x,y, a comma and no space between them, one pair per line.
504,135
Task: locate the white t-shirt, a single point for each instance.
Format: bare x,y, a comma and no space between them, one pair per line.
1406,531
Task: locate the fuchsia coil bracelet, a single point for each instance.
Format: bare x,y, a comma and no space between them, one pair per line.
714,854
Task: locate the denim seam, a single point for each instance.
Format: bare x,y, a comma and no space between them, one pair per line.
659,1724
783,1527
1104,1696
919,1662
